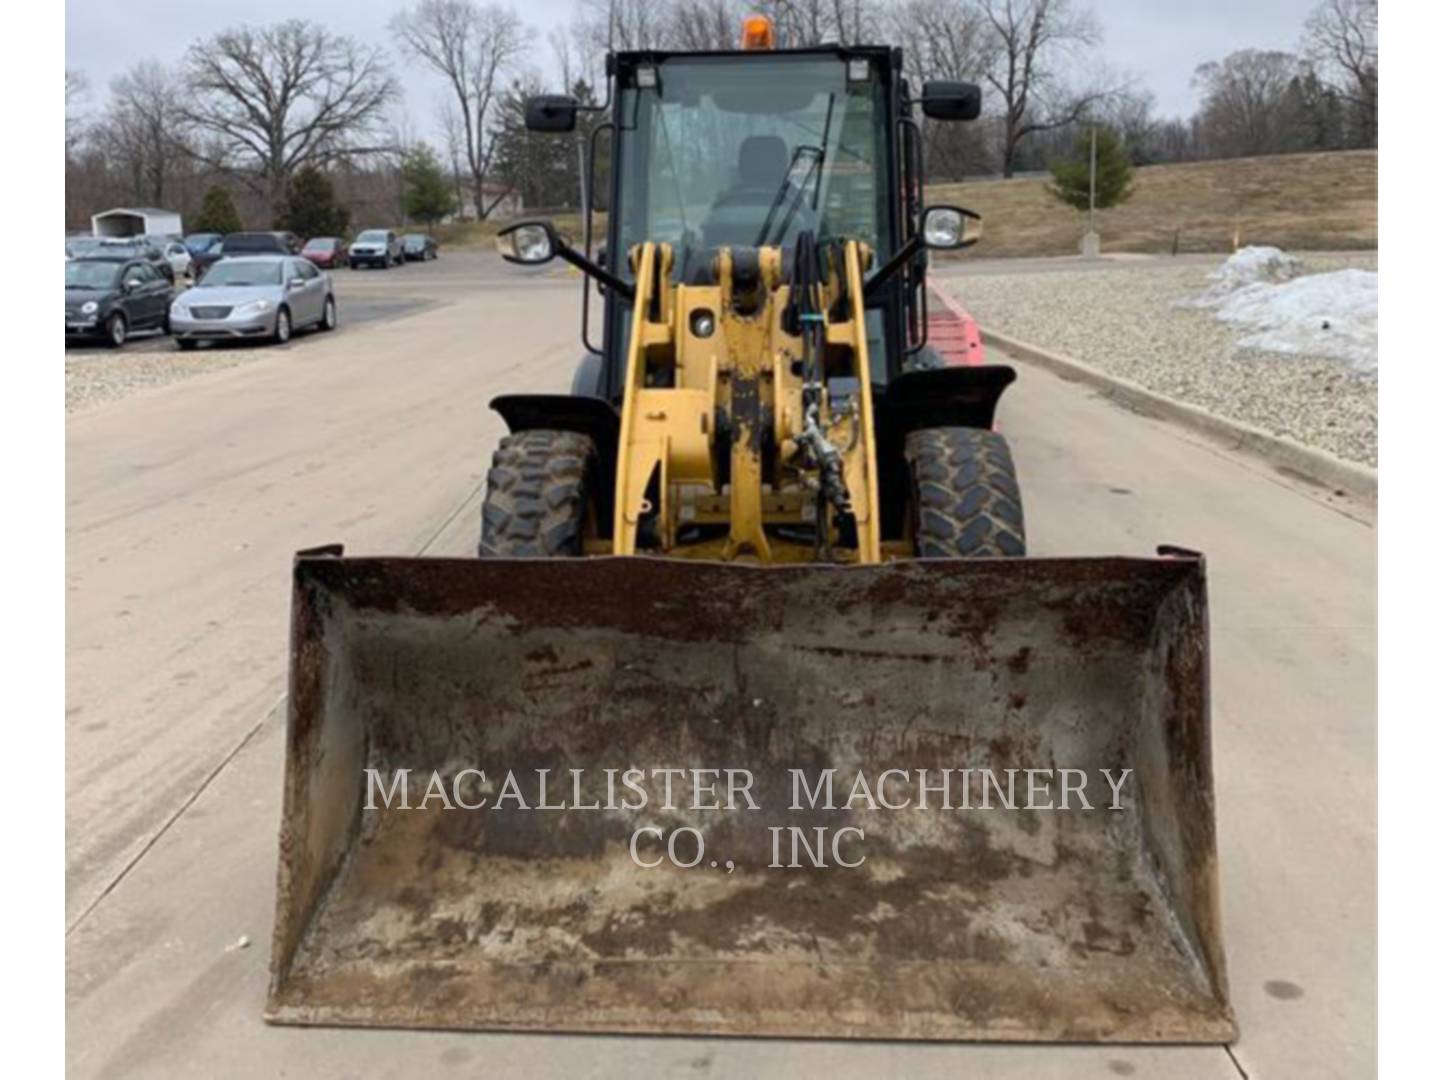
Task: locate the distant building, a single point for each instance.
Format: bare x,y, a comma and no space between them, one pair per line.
136,221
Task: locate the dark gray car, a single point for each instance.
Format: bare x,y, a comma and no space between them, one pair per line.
109,298
256,296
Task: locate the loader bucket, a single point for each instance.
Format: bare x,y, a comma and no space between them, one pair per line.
932,917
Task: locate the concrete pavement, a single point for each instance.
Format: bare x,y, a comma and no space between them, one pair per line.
185,504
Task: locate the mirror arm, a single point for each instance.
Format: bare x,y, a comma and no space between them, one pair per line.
620,286
898,262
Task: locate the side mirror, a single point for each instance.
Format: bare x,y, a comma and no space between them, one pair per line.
945,100
528,243
131,284
551,112
944,227
531,243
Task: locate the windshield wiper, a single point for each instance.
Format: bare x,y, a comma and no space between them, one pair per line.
789,194
816,170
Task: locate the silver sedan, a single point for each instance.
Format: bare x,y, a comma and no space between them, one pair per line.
256,296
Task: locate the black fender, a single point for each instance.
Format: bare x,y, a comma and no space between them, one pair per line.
583,415
962,396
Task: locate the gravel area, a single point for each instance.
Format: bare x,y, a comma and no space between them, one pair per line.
98,377
1123,318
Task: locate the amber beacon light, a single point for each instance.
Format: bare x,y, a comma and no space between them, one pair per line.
757,32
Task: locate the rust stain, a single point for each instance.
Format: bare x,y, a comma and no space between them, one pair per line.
993,924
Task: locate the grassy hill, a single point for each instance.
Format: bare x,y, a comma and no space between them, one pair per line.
1310,202
1300,201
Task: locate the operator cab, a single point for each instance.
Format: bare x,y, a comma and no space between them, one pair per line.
752,148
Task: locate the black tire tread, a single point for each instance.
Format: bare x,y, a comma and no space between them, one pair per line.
967,499
536,495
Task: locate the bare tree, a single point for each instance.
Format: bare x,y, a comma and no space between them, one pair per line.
1244,109
1342,42
603,25
813,22
274,99
77,91
560,42
943,39
704,24
452,132
1029,43
142,131
471,48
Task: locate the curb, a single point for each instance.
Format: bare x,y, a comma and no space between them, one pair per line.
1309,462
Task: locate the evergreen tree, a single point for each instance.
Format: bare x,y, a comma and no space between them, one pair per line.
1113,172
217,213
310,208
429,196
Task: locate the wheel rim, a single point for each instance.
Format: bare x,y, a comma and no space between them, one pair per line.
329,314
117,329
282,326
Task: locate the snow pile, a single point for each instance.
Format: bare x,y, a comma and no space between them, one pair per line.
1248,266
1262,293
1333,315
1253,265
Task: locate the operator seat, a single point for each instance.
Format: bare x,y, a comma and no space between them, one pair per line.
736,215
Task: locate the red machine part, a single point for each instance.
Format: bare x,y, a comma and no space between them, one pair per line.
954,333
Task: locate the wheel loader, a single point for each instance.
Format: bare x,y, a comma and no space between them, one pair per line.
752,716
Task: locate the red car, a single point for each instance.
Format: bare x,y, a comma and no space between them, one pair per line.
324,251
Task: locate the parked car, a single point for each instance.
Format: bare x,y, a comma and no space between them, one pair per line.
109,297
324,251
259,243
202,241
376,247
136,247
178,256
254,296
419,247
204,257
77,247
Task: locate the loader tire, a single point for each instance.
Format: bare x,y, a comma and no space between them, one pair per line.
965,500
537,496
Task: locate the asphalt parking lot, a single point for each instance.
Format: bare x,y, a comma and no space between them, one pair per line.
97,376
363,296
185,502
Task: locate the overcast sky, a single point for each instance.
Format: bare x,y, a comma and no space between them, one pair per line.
1160,41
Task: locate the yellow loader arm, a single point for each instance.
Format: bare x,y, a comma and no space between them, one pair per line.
717,397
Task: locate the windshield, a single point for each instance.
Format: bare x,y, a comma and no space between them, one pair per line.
91,275
319,245
372,236
233,274
725,152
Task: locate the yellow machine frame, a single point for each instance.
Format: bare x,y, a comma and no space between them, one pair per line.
680,386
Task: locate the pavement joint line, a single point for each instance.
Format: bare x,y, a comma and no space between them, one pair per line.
1230,1053
271,712
179,812
478,489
